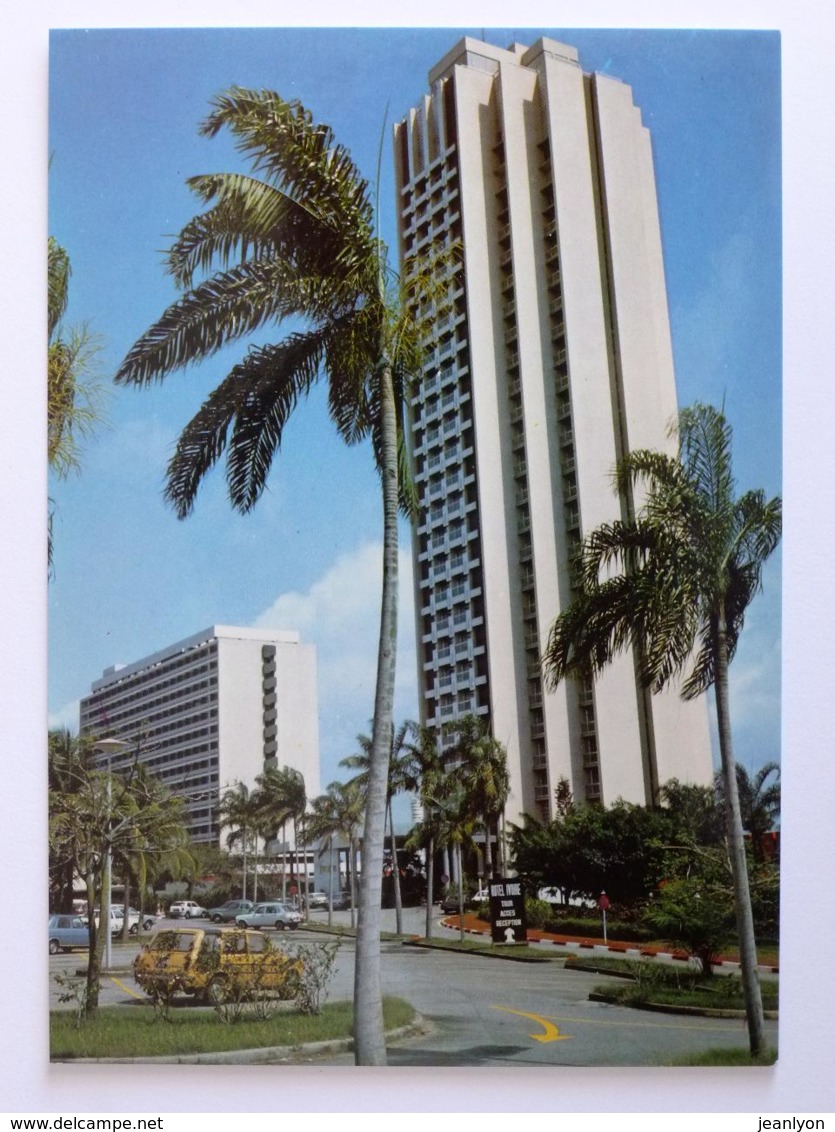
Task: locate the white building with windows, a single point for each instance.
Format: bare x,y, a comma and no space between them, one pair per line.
210,711
551,359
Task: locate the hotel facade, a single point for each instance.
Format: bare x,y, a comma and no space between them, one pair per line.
549,360
212,710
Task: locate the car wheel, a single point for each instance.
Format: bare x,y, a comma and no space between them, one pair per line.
148,925
217,919
240,923
133,929
293,927
54,947
280,926
187,915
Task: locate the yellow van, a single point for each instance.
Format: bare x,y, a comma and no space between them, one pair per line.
215,964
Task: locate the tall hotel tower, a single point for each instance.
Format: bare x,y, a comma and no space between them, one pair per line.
551,360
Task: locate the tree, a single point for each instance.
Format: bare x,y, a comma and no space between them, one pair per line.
239,809
695,913
423,770
480,763
282,796
399,779
339,811
103,816
74,397
70,758
298,241
588,850
674,583
759,802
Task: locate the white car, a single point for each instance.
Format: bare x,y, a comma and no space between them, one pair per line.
270,914
117,919
135,918
188,909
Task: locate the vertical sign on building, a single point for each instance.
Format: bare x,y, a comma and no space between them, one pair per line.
507,911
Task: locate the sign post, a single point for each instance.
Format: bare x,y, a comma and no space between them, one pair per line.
507,910
603,904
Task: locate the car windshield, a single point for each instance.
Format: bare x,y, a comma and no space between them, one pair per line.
172,941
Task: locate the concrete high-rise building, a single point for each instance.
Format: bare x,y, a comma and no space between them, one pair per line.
210,711
550,359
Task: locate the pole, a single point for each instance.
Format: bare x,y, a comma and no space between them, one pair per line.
104,917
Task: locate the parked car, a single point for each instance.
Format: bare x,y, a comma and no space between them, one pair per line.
214,963
188,909
135,918
229,911
449,903
315,900
117,919
272,914
341,900
66,932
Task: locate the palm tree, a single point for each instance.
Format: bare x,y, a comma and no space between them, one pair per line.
340,811
759,804
398,780
74,397
239,810
279,798
690,563
297,241
480,763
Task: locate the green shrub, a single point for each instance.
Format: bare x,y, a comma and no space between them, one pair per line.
537,912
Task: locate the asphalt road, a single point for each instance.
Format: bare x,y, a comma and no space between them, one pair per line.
490,1012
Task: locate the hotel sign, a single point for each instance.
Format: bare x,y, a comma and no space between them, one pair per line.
507,911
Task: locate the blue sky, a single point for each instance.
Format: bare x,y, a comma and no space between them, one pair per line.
124,111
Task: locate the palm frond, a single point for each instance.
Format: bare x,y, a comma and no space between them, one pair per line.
258,395
298,155
220,310
58,279
245,222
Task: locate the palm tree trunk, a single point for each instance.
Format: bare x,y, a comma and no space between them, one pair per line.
284,861
395,876
369,1035
96,953
330,881
255,873
736,845
460,889
125,932
430,880
352,877
488,851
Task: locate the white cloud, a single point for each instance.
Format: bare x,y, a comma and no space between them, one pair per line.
66,716
340,614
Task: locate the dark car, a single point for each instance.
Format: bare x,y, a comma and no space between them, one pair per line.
229,911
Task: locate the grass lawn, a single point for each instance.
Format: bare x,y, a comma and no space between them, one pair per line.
718,1057
119,1031
640,982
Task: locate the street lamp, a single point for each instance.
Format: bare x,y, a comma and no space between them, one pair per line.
109,747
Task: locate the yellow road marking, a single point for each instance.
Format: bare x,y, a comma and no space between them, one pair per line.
551,1034
128,990
632,1025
